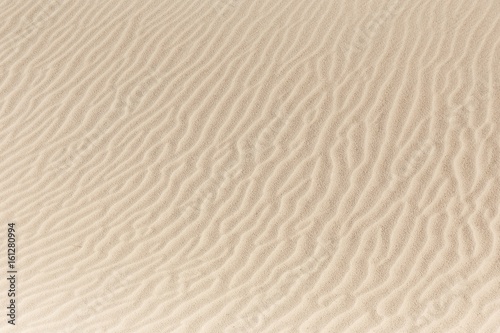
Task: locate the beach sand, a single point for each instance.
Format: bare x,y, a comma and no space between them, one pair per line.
250,166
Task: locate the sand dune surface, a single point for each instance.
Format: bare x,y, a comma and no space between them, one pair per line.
250,166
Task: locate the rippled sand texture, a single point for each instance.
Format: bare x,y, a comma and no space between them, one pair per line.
252,166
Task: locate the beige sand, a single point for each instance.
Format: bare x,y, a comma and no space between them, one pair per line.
251,166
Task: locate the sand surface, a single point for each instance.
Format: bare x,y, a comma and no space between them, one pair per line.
251,166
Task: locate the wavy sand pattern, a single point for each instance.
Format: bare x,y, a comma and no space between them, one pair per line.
252,166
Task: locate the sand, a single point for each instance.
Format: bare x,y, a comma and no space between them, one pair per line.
251,166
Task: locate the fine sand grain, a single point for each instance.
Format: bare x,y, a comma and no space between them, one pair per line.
251,165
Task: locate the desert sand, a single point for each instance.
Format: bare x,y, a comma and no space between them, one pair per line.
250,166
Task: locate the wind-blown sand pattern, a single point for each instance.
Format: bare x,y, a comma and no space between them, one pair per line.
251,166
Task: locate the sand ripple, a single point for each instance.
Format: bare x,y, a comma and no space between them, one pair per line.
252,166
